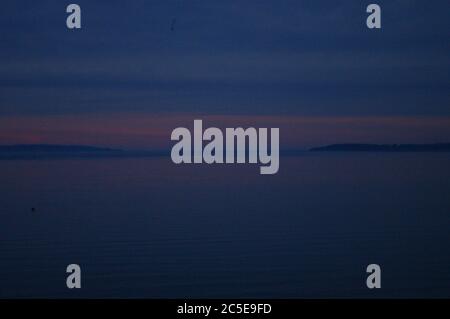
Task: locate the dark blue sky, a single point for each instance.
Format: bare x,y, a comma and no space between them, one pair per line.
225,57
311,68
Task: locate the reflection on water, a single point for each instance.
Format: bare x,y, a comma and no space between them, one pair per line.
145,227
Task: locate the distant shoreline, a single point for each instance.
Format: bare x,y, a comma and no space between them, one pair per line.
44,151
437,147
54,151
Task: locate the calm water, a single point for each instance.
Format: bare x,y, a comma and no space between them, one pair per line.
145,227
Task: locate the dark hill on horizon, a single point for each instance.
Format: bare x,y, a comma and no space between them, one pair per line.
42,151
54,148
437,147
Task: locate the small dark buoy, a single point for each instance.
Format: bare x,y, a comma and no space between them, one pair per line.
172,25
33,209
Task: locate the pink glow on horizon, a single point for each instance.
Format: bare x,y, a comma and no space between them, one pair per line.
145,131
